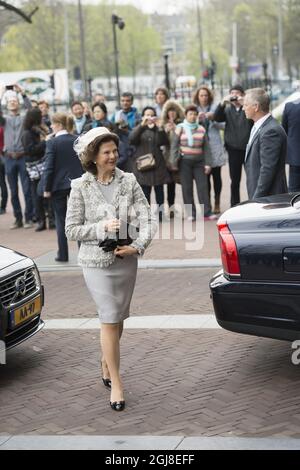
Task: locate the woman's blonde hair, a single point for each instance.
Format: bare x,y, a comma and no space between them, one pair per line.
65,120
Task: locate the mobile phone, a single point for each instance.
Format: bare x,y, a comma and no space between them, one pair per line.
9,87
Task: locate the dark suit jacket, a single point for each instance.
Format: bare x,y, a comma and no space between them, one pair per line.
291,125
265,161
62,163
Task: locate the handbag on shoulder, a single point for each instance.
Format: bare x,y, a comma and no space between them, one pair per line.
145,162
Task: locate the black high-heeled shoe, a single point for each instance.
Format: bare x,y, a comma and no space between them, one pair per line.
107,383
117,405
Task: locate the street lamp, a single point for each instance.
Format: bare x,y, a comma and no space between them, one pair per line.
117,21
82,49
167,73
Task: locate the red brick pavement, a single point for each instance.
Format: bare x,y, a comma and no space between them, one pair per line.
157,292
193,383
37,244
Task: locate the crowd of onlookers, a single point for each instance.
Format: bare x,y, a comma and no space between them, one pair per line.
163,145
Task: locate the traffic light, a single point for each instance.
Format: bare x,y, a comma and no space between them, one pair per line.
206,73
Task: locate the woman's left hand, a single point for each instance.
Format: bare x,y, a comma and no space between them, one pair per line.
125,250
210,116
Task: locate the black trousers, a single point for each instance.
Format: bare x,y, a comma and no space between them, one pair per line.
217,181
3,185
59,202
159,194
191,170
236,160
171,194
38,202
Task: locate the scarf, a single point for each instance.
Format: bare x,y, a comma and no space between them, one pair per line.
79,123
188,128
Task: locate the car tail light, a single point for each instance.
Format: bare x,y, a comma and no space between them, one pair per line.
229,253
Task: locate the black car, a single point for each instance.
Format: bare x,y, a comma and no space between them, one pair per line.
258,290
21,298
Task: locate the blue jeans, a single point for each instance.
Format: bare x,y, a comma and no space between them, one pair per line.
3,187
13,169
294,178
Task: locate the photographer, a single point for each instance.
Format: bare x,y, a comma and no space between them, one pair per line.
14,155
236,136
148,138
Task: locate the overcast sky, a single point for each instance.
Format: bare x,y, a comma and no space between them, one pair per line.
151,6
160,6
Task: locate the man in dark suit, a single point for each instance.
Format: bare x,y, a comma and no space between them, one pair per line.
266,149
236,136
61,166
291,125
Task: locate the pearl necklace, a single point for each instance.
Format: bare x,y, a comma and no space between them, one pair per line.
106,183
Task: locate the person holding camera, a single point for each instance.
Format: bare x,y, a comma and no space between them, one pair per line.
3,185
14,155
101,203
190,152
149,137
236,136
203,99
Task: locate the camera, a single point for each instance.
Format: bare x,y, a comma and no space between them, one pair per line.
9,87
233,98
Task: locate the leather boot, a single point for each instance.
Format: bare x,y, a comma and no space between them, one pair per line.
217,206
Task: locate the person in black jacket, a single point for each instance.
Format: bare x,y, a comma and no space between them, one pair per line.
33,140
266,149
61,166
291,125
149,137
236,136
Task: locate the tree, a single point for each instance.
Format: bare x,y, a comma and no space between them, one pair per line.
18,11
41,44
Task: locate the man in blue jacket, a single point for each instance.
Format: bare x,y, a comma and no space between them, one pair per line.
291,125
125,119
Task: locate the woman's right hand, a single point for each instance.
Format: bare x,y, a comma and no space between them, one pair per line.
112,225
170,126
144,122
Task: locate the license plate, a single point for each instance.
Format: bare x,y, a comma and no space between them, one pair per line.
27,311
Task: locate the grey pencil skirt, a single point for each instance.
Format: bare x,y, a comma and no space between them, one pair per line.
111,288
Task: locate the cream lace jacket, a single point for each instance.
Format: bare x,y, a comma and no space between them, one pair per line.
88,211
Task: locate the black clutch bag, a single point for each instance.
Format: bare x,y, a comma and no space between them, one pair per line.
110,244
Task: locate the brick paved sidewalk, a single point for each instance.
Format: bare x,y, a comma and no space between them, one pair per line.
37,244
195,383
157,292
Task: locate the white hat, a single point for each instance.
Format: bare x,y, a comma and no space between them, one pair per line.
98,133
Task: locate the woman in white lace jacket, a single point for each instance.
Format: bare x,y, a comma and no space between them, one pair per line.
107,207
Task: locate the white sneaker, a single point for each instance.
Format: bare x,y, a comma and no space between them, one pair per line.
28,224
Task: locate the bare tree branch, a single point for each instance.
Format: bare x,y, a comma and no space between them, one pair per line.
19,12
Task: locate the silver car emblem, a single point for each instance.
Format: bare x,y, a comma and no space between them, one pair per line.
20,286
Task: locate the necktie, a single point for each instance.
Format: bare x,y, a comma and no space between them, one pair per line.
252,133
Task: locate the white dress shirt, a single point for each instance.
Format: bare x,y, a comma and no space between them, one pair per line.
257,126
